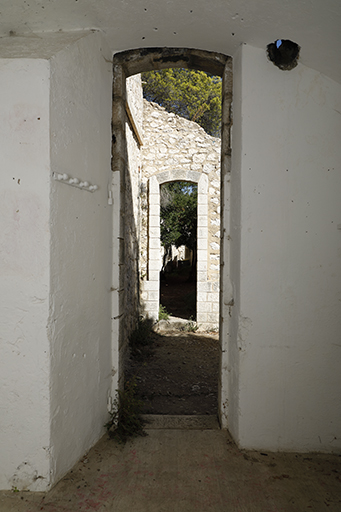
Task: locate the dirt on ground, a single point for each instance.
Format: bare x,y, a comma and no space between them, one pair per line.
180,376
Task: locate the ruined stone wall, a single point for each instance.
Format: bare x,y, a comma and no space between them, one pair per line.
163,147
175,148
132,205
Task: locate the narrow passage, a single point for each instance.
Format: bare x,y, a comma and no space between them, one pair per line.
180,376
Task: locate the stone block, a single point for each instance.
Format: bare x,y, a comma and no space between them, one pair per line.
154,253
149,170
201,264
153,296
202,221
196,167
154,232
154,275
201,318
207,168
213,318
204,307
215,307
194,176
154,243
154,186
154,209
202,244
203,184
150,156
202,209
199,158
201,296
162,177
202,233
202,255
151,309
204,286
154,221
201,276
150,285
213,296
154,199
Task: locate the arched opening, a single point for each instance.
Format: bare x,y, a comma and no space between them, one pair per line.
126,64
154,220
179,233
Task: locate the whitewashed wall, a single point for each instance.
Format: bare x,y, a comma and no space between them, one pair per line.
282,375
24,273
81,231
55,267
285,350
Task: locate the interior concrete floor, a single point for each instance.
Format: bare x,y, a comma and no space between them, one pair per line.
184,466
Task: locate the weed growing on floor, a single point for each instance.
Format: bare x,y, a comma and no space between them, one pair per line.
163,313
126,420
190,326
140,340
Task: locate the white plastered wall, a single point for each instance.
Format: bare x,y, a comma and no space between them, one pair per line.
284,337
81,231
55,240
284,348
24,273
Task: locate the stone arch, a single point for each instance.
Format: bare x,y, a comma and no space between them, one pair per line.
147,59
152,286
132,62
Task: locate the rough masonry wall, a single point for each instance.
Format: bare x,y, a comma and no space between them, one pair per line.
174,144
132,205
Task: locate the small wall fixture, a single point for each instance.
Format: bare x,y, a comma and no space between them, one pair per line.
283,53
74,182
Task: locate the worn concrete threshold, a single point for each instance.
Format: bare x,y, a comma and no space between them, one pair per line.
180,470
188,422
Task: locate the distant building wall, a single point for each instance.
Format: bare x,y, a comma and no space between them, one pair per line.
177,149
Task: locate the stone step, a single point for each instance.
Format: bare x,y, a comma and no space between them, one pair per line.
184,422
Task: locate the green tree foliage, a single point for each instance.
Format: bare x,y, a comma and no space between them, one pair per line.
178,212
192,94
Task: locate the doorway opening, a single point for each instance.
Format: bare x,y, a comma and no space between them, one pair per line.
127,64
178,226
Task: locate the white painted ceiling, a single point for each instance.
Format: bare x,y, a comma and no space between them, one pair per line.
215,25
